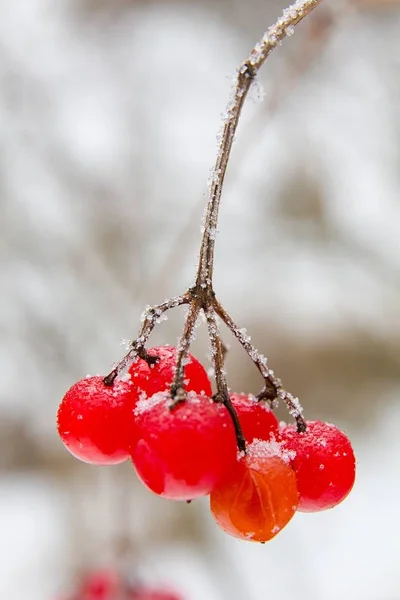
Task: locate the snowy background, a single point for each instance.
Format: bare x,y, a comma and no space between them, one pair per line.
108,115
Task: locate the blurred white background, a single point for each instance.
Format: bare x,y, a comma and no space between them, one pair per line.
109,112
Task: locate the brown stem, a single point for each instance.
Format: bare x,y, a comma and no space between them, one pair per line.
273,389
246,74
222,395
202,296
177,388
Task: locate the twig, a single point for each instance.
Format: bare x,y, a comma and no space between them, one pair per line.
245,76
222,395
310,49
177,388
273,389
201,296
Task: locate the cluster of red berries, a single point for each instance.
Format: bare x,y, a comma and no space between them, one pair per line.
188,449
107,584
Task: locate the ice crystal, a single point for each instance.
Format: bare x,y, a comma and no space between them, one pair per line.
267,449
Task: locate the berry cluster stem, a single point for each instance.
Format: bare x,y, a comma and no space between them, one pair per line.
246,74
201,296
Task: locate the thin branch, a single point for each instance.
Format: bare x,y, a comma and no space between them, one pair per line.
273,389
242,336
177,388
201,296
222,395
245,76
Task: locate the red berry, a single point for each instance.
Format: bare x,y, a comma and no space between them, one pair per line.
183,452
256,418
94,421
158,377
324,464
260,496
103,584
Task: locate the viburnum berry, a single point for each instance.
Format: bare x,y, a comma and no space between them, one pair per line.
102,584
109,584
158,377
323,462
94,421
185,451
256,418
260,496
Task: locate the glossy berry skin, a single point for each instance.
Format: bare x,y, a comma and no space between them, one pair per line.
256,418
185,452
324,464
158,377
94,421
259,498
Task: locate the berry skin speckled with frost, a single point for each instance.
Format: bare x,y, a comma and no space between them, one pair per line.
158,377
324,464
94,421
185,452
256,418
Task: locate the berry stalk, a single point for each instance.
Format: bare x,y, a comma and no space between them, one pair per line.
246,74
222,395
273,389
202,296
177,388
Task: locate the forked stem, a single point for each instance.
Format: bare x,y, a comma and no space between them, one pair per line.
201,296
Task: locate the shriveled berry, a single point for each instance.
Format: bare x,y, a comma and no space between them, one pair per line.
256,418
94,421
260,496
158,377
324,464
183,452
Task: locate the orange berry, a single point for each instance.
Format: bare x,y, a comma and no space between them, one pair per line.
260,496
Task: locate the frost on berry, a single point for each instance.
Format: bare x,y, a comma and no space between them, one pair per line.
95,421
270,448
260,496
182,451
145,404
158,377
324,464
